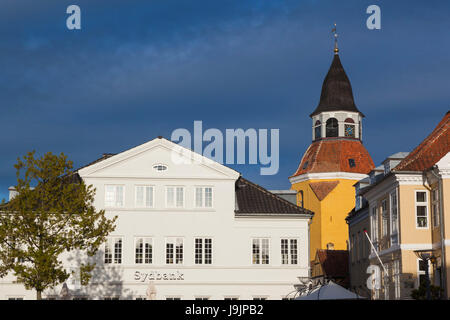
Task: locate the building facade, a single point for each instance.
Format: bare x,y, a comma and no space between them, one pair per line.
333,163
407,211
187,228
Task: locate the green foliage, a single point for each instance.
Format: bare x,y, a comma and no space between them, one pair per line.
421,293
52,214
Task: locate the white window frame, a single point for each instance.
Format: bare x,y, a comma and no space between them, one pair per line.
260,243
289,251
108,205
203,204
394,231
174,206
145,240
421,204
173,240
111,243
203,250
144,205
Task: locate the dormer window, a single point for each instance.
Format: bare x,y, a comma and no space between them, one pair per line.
332,128
387,167
351,163
317,130
349,128
160,167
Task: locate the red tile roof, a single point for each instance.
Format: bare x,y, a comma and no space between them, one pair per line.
332,155
334,264
322,189
430,151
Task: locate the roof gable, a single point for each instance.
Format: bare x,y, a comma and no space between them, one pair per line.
139,161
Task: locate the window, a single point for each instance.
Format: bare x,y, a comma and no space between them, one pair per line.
435,207
80,298
374,226
351,163
201,298
15,298
144,196
260,251
384,217
174,251
259,298
305,165
113,250
160,167
231,298
143,250
203,251
422,267
203,197
317,130
114,196
394,218
289,251
332,127
349,128
140,298
173,298
111,298
421,209
175,197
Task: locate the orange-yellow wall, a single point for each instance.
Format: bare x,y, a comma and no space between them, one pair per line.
328,224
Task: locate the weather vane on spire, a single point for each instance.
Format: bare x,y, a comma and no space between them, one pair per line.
334,30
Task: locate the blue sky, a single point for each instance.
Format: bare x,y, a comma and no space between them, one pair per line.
139,69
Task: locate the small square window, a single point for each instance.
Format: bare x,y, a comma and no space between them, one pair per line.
351,163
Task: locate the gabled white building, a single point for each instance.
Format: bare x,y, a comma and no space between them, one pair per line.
191,230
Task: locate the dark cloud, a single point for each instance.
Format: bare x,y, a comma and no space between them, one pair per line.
139,69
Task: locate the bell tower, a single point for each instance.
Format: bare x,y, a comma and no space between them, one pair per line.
334,162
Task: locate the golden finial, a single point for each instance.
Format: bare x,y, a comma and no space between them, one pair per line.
334,31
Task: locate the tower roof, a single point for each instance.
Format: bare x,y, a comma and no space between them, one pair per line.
337,94
335,155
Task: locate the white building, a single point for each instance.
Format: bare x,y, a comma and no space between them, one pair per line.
194,230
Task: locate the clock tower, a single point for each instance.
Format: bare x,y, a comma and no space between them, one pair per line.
333,163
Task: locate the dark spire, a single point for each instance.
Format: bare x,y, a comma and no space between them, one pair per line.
337,94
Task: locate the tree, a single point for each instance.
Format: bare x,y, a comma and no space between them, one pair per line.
51,214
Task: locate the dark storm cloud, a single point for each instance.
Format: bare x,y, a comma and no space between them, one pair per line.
139,69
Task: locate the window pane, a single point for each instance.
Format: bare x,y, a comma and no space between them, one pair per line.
139,196
255,251
294,251
148,251
284,251
110,196
421,196
119,196
118,251
169,253
198,197
180,197
179,251
198,251
170,197
208,197
208,251
265,251
149,197
139,250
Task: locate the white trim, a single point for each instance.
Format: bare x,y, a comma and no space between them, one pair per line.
163,143
327,175
409,179
416,204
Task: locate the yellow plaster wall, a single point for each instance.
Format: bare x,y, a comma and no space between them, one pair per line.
328,224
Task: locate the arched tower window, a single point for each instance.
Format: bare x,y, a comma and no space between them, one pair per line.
317,130
332,127
349,128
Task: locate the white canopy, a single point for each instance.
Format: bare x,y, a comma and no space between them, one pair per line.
330,291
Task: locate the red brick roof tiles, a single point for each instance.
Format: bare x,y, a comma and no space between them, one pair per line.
430,151
332,155
322,189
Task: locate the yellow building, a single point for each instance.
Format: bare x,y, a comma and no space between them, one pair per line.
333,163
